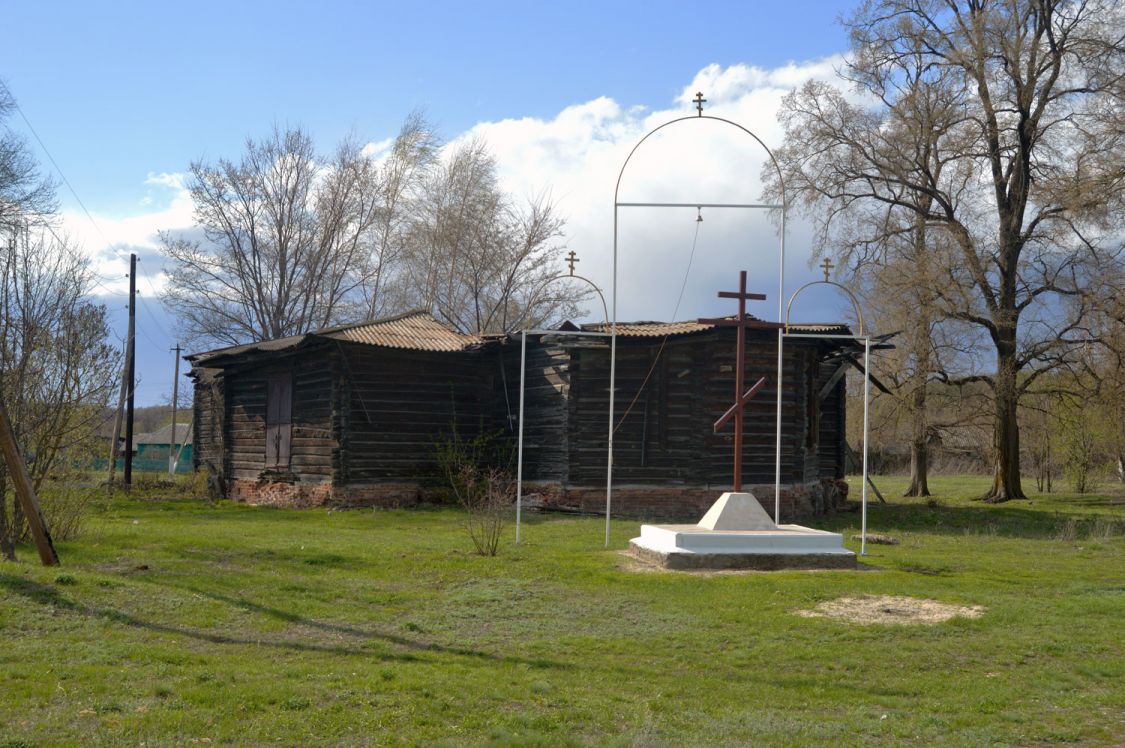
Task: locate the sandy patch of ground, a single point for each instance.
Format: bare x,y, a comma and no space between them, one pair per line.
890,609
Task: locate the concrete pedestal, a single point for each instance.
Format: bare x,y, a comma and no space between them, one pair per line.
736,533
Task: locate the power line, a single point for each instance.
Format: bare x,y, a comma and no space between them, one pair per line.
54,163
675,311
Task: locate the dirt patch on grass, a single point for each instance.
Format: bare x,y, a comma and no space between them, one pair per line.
889,609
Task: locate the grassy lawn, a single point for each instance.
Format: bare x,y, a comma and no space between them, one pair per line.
174,622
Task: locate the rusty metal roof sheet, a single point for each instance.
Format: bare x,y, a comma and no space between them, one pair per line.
650,329
415,331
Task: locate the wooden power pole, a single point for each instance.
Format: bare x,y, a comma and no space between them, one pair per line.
25,491
172,456
114,445
130,373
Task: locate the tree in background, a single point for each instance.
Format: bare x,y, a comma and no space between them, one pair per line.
56,369
283,245
996,125
292,242
403,175
24,191
475,256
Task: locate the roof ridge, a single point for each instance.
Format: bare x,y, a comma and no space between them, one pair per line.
376,321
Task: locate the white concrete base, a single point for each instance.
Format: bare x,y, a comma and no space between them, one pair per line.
737,533
782,539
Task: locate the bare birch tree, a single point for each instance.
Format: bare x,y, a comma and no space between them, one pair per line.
403,176
994,123
476,256
24,191
56,369
284,241
292,242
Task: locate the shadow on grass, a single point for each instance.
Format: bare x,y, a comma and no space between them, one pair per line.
45,594
1033,521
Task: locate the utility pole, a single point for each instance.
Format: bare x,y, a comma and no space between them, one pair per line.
25,490
172,456
117,418
130,372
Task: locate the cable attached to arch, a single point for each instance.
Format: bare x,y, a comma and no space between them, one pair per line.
675,311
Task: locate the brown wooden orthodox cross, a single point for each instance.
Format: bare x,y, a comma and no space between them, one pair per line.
571,259
741,322
699,101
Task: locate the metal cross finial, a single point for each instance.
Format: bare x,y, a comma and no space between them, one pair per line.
827,265
571,259
699,101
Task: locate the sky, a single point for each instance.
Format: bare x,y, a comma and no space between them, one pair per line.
121,97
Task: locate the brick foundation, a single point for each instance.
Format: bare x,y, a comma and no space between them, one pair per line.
293,492
683,503
679,503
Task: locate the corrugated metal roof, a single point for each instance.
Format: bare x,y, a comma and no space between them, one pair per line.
650,329
660,329
415,331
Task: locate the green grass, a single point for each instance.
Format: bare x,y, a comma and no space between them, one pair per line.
172,622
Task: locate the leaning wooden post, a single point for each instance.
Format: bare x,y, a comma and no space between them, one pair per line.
25,491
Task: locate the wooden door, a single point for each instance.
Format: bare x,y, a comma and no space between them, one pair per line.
279,420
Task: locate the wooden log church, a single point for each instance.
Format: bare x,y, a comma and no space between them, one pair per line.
353,415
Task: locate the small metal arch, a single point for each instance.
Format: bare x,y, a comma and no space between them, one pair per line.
561,276
851,296
523,381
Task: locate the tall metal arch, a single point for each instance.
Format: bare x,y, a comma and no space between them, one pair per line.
523,375
782,207
866,338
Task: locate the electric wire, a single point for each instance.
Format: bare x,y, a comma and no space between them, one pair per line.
664,342
94,277
51,158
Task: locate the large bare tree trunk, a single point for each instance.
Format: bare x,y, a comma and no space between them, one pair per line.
1006,483
919,449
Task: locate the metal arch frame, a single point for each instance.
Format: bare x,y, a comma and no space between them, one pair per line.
866,338
523,376
851,296
783,207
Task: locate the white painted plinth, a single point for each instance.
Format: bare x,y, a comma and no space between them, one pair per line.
783,539
737,533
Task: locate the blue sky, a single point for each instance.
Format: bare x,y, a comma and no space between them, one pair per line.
125,95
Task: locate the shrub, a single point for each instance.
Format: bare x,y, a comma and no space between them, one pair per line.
485,490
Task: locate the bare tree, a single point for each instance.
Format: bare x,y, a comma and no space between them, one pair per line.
24,191
997,124
292,242
930,351
56,370
402,177
284,240
476,257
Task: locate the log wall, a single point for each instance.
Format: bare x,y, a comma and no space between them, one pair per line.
397,406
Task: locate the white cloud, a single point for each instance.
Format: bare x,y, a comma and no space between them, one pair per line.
173,181
577,155
108,241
